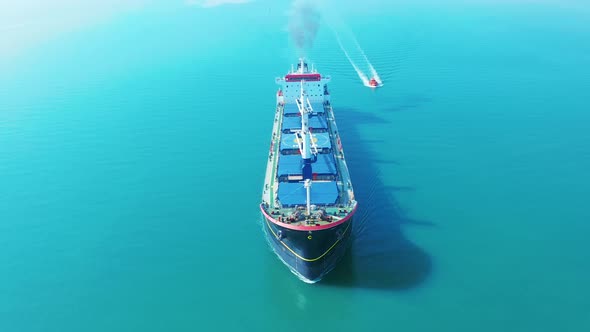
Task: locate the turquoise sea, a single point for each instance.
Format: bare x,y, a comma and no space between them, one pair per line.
134,138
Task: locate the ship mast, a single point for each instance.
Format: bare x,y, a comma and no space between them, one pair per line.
305,145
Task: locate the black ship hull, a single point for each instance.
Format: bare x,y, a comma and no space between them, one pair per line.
309,254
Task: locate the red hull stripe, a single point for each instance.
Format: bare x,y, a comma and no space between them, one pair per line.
307,228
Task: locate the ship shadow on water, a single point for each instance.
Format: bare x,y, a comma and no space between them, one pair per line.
380,257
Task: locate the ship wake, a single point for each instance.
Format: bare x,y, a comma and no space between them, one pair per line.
374,73
361,74
363,77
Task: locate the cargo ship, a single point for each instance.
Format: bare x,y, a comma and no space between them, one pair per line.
308,200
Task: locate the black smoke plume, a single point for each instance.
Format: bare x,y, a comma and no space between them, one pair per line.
304,22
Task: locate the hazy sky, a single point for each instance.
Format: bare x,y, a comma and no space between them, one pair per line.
25,23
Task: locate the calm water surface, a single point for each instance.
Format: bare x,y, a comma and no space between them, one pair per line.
133,142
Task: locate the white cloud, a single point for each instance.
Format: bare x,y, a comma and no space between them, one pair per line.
215,3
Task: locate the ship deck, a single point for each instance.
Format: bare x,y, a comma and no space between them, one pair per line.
333,214
283,193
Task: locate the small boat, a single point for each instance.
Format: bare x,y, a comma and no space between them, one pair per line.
373,83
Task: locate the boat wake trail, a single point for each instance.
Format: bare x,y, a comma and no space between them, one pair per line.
375,79
359,72
374,73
